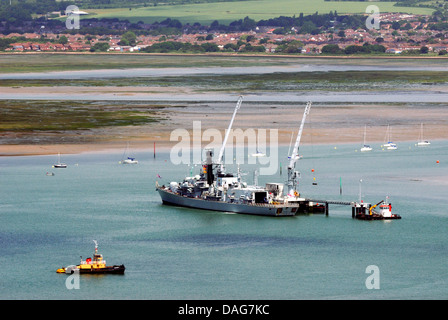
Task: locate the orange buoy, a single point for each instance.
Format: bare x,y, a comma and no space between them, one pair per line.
312,170
437,161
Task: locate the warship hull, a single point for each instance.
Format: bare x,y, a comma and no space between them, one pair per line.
261,209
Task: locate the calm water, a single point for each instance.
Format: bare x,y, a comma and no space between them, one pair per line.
177,253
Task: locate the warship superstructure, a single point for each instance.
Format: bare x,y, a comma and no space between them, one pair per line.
214,189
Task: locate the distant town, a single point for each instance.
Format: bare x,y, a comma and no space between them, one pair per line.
399,34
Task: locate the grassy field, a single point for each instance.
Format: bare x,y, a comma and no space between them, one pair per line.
226,12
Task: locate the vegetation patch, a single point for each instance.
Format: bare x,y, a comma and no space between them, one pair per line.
72,117
278,81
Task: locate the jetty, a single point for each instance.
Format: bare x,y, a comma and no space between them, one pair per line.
360,210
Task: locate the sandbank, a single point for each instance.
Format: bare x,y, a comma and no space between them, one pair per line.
326,124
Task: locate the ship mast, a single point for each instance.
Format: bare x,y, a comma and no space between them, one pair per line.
221,152
292,174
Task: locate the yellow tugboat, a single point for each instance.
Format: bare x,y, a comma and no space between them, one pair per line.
93,266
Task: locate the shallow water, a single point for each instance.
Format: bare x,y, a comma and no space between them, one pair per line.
221,79
179,253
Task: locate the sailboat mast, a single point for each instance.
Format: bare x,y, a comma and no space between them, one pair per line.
365,129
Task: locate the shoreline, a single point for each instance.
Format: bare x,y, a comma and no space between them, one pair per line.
230,54
27,150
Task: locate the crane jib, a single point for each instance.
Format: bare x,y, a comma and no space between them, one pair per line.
295,150
221,152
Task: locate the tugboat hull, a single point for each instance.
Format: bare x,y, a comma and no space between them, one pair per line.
116,269
376,217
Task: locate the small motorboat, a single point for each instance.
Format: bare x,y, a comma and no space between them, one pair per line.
97,265
368,212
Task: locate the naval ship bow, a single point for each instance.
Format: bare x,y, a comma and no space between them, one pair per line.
214,189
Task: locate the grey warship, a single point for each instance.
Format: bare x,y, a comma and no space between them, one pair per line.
214,189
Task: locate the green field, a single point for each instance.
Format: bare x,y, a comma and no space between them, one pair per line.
226,12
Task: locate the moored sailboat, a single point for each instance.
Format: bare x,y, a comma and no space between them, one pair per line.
59,164
365,147
127,160
389,145
421,141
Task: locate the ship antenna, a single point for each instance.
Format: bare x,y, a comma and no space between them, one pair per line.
96,246
221,152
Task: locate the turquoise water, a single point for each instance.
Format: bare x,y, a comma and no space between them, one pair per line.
178,253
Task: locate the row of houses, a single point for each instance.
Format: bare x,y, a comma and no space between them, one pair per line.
311,43
30,46
308,48
48,46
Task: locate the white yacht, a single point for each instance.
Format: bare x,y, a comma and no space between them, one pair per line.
365,147
422,142
59,164
127,160
389,145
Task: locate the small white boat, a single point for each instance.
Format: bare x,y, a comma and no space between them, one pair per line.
389,145
421,142
128,160
365,147
385,210
59,164
258,154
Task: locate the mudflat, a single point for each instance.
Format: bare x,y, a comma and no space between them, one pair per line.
327,123
62,103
